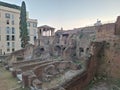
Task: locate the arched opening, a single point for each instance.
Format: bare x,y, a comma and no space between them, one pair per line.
87,50
57,50
81,51
42,49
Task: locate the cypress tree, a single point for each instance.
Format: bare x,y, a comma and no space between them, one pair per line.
23,26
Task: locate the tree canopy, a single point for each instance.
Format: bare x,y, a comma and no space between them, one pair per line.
23,26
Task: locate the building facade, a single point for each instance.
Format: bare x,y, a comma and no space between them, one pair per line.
9,28
32,30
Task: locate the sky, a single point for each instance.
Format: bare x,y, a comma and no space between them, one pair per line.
70,14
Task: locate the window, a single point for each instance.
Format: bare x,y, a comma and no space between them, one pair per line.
8,44
81,49
28,31
7,30
0,14
28,24
7,15
12,16
13,44
0,30
34,32
7,37
28,38
8,49
13,30
0,51
34,38
7,22
34,25
13,37
12,22
13,49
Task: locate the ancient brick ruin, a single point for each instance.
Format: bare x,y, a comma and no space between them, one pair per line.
66,60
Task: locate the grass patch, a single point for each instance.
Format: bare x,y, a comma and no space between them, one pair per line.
113,83
23,88
7,81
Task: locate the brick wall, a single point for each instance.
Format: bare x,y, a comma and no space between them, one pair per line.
79,82
117,26
33,65
110,60
105,32
20,63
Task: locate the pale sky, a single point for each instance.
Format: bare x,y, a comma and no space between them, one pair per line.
70,14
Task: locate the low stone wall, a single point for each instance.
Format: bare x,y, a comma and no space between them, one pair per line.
20,63
39,70
27,67
31,66
3,57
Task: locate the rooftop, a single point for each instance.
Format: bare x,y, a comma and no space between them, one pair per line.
46,27
9,5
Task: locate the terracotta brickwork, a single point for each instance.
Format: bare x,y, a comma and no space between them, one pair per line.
105,32
110,59
117,26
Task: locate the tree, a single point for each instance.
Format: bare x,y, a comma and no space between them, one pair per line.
23,26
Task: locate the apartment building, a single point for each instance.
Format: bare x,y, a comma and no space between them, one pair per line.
32,30
9,28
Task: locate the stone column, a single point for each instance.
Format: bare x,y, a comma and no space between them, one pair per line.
49,33
41,32
25,80
52,32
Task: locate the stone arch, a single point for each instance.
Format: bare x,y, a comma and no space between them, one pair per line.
42,49
87,50
57,50
81,51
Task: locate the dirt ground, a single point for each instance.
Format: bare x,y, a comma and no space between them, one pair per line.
104,86
7,82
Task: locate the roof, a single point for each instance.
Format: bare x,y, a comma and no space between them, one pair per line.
46,27
9,5
31,20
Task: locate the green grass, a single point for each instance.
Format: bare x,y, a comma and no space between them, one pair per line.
23,88
7,81
114,83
